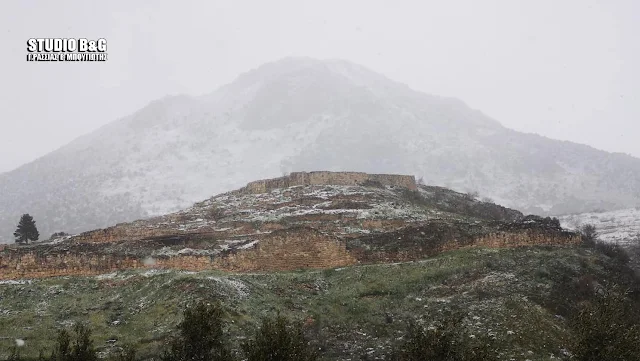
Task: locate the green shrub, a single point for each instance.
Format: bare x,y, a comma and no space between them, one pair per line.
127,353
613,250
279,340
15,354
200,336
607,328
446,343
76,346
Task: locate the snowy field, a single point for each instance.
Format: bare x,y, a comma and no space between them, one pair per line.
619,226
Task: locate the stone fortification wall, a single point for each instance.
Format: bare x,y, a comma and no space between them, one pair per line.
329,178
289,249
281,250
119,233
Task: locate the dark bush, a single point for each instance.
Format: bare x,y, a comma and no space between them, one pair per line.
200,336
74,347
15,354
447,343
127,353
634,248
215,213
279,340
472,195
59,235
589,235
607,328
613,250
414,197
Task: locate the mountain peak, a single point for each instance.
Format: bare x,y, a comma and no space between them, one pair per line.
311,69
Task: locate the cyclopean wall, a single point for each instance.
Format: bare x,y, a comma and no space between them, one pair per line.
329,178
290,249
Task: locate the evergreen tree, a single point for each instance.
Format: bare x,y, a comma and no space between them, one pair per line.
76,347
26,230
201,336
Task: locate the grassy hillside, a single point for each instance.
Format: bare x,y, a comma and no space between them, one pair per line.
523,297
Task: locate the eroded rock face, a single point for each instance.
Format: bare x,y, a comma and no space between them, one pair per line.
295,227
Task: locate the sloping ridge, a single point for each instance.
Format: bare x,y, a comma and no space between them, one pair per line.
317,226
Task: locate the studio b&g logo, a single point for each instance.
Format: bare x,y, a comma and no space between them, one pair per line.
66,49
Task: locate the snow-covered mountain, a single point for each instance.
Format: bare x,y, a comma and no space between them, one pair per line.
620,226
304,114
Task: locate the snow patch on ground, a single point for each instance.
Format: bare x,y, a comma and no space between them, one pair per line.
249,245
237,286
107,276
155,272
15,282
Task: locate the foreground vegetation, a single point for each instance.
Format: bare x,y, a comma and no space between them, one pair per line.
608,328
529,303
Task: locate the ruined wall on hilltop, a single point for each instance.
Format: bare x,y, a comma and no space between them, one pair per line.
120,233
413,243
281,250
289,250
529,237
134,232
329,178
23,263
32,264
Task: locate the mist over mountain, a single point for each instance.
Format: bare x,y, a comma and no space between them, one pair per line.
301,114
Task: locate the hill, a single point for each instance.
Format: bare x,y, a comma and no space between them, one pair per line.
523,297
305,220
354,256
301,114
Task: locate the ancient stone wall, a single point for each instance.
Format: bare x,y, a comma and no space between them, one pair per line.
412,243
122,232
15,264
329,178
282,250
288,249
526,238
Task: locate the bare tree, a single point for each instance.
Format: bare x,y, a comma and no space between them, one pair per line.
589,234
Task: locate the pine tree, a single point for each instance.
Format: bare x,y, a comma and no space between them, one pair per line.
26,230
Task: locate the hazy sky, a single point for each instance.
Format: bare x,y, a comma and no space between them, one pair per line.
565,69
